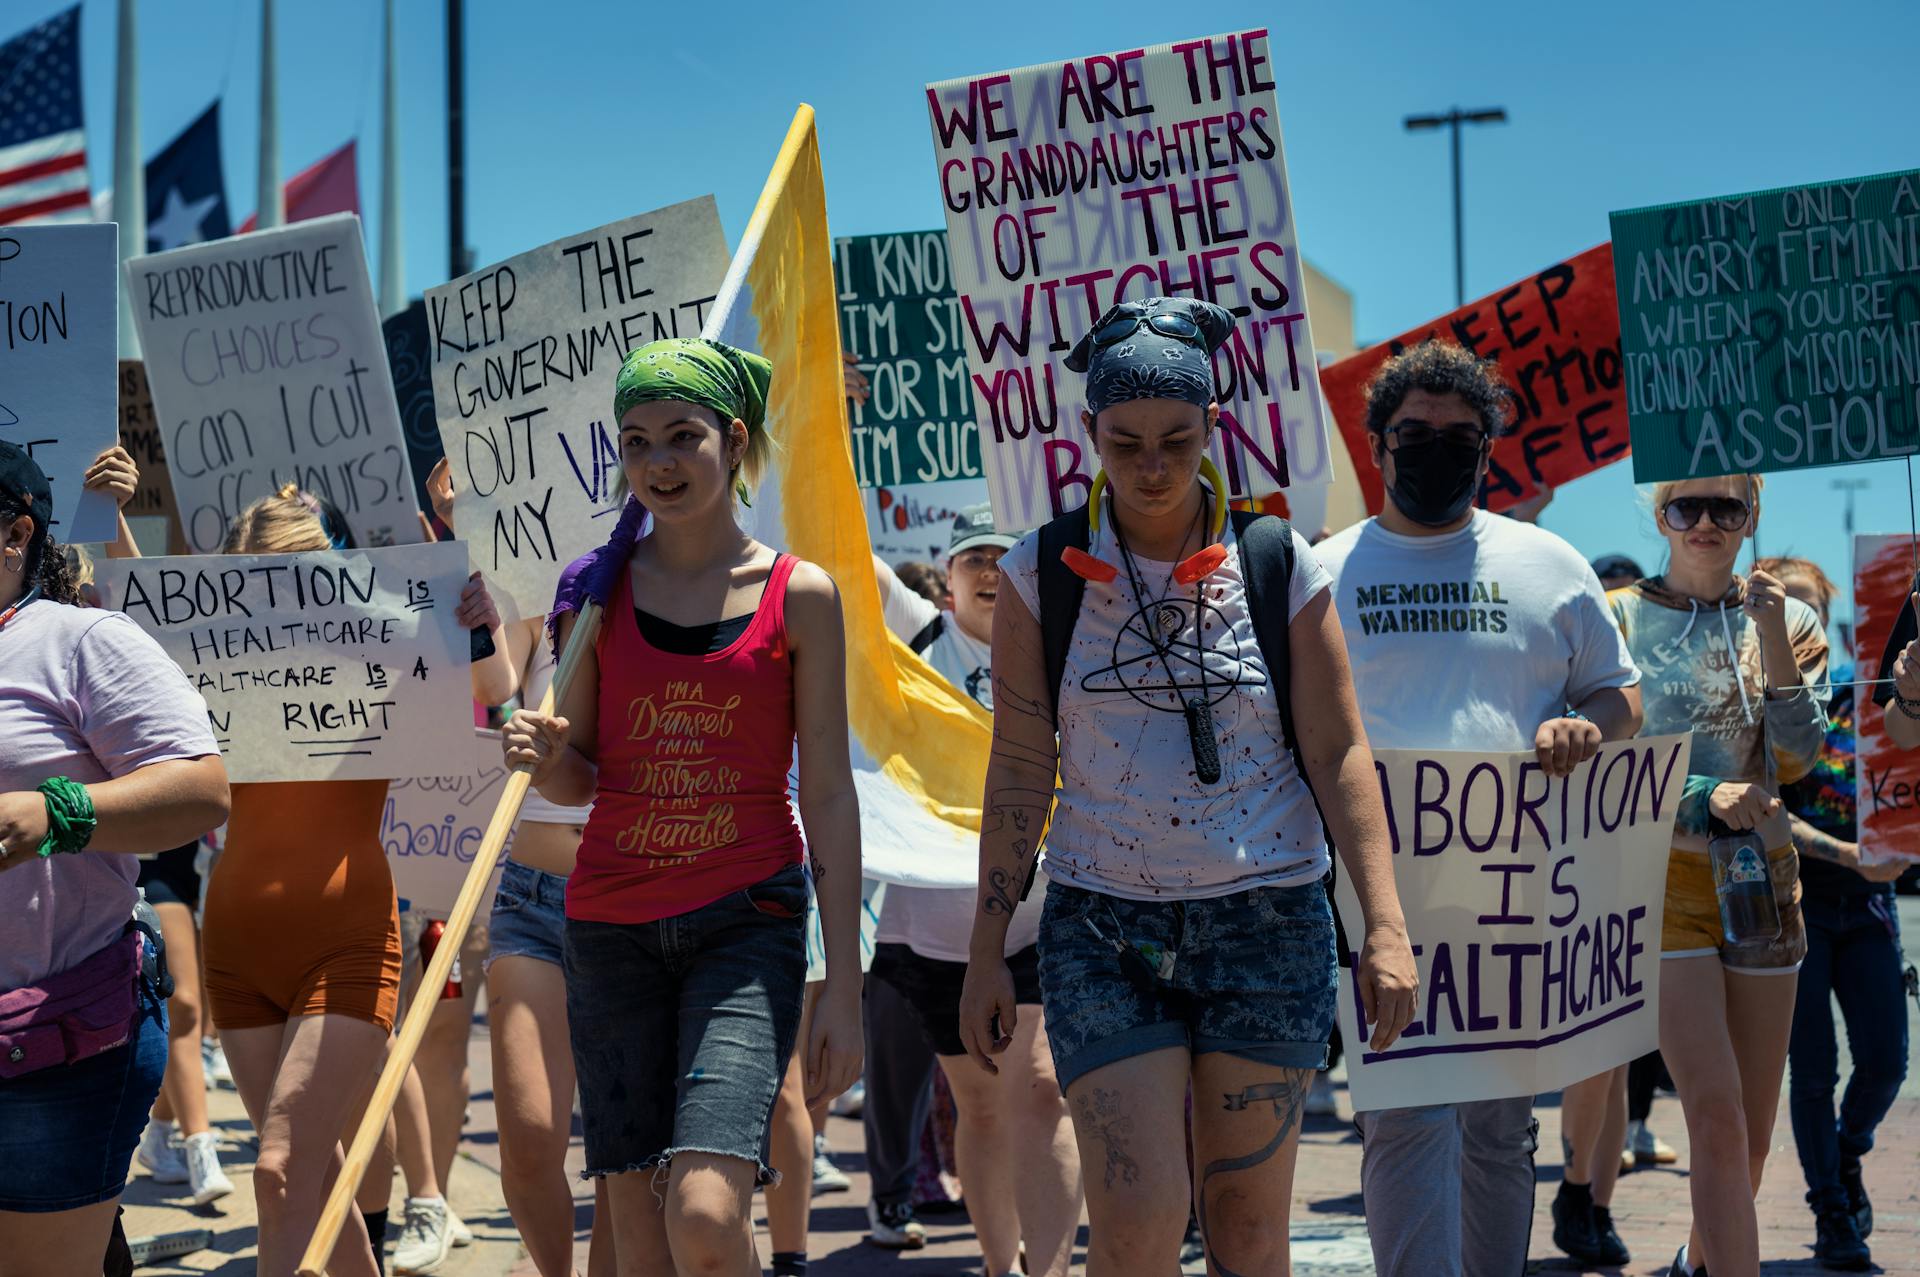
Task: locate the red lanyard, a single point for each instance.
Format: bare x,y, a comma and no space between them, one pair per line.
19,603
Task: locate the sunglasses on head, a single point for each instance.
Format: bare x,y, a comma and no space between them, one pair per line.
1166,323
1729,514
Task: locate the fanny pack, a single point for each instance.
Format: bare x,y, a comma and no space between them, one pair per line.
75,1014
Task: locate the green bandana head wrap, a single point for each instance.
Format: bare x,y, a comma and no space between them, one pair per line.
694,370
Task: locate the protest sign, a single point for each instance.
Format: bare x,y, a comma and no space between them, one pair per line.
433,826
524,357
1073,185
406,338
266,366
1775,330
1534,906
330,665
140,436
1556,336
1886,777
60,331
915,522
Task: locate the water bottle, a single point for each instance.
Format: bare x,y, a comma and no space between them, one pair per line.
1744,883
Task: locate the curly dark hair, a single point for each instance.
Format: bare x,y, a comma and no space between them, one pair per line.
53,573
1439,367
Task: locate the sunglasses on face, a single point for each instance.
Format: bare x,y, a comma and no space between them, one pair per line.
1166,323
1415,434
1729,514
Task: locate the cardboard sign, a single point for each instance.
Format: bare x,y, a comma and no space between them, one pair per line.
1557,338
524,358
433,826
332,665
1534,906
1775,330
140,436
58,333
266,365
1074,185
407,356
1886,777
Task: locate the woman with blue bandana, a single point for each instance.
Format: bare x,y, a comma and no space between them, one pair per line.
1186,938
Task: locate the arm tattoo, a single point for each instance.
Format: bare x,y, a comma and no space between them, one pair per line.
1820,844
999,899
1102,1118
817,865
1287,1096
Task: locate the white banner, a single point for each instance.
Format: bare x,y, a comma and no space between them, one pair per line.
524,359
266,365
59,370
433,826
1534,907
1070,186
333,665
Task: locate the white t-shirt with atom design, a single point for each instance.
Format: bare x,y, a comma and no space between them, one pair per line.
1133,820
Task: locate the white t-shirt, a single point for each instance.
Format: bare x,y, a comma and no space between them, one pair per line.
1132,820
1472,639
937,922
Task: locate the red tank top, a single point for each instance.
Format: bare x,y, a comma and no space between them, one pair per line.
694,753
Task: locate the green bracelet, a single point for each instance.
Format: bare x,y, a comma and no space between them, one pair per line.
70,818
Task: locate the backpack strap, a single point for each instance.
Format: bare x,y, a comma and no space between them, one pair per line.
1061,592
1266,564
928,633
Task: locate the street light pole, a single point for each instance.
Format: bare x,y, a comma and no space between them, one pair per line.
1848,487
1452,120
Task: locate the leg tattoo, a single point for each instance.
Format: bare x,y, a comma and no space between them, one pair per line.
1287,1097
1102,1118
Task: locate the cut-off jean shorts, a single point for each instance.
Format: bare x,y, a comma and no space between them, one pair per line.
1252,974
682,1027
529,918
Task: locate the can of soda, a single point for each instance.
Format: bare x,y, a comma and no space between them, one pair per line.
429,941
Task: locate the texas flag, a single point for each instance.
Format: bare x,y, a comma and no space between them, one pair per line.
186,195
331,186
43,144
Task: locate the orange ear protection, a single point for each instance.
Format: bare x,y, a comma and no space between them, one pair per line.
1193,568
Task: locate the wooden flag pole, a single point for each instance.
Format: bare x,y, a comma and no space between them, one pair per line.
414,1026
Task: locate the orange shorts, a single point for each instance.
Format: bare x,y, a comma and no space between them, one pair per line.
1692,927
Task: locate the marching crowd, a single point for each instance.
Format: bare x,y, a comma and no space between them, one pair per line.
1184,698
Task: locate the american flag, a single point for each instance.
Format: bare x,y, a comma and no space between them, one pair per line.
43,145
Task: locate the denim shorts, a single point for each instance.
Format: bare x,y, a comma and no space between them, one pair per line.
529,918
682,1027
1252,974
67,1133
932,988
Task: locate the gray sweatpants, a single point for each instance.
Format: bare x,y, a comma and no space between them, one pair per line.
1449,1188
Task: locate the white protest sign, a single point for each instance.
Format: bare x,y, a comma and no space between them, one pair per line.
331,665
432,826
524,358
1070,186
267,366
1534,906
59,367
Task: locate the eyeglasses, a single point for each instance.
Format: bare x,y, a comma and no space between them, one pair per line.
1166,323
1729,514
1415,434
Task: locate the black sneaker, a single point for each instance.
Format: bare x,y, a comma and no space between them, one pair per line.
1837,1244
1608,1250
1857,1204
1573,1230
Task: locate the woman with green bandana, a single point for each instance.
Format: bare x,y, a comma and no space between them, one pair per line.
686,909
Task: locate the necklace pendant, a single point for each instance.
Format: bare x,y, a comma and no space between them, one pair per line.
1200,737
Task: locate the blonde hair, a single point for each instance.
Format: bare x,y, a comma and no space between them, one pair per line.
288,522
1663,492
82,564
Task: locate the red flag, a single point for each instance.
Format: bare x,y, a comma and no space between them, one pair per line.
331,186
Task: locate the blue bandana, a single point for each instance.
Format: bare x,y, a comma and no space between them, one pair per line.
1147,363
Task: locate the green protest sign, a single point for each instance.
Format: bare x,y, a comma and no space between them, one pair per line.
900,321
1775,330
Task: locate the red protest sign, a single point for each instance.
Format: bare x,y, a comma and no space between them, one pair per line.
1886,777
1557,337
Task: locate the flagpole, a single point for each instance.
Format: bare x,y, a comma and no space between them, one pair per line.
393,296
457,258
270,201
413,1026
129,175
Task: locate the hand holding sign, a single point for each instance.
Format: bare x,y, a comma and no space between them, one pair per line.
114,473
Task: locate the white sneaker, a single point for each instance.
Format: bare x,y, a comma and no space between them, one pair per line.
894,1227
208,1182
1648,1147
424,1237
213,1063
1320,1098
457,1230
160,1155
827,1178
850,1102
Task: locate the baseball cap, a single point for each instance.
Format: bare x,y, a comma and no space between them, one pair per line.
974,527
1616,565
22,479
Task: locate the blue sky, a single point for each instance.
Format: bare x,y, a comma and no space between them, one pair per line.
582,111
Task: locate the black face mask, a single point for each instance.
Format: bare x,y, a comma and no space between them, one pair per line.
1435,482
